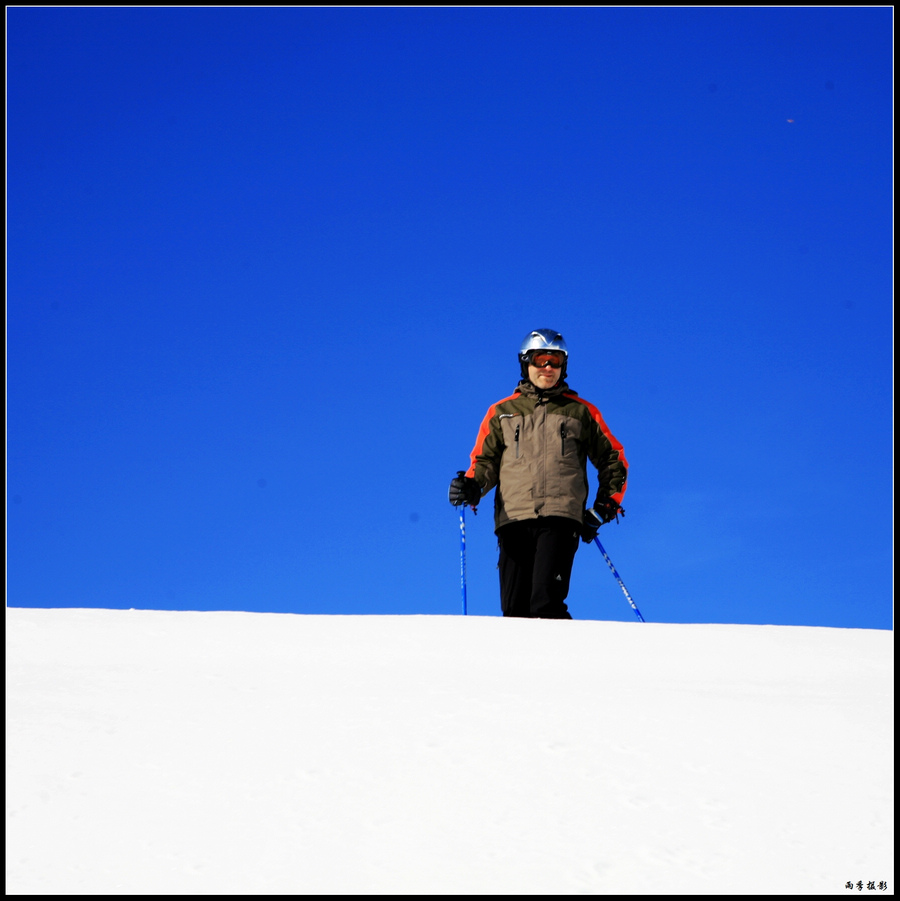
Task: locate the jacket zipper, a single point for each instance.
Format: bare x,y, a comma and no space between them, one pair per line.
562,435
517,440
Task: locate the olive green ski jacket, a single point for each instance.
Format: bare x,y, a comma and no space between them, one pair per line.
534,446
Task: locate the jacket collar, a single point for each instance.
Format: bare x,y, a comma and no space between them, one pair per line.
528,389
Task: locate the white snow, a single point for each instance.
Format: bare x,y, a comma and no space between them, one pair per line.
247,753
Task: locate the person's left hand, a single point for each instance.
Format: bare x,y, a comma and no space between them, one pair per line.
606,510
601,513
590,527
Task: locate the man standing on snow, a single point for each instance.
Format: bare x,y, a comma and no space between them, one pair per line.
534,446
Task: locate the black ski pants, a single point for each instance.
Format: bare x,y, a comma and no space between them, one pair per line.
536,557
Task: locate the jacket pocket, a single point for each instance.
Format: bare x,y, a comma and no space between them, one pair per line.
568,439
513,429
564,473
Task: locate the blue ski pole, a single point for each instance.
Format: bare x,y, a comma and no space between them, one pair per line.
619,580
462,555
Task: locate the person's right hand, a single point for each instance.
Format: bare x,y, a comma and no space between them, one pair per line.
464,490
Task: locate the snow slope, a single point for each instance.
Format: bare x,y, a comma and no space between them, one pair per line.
249,753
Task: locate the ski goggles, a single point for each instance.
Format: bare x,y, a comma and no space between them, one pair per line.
539,360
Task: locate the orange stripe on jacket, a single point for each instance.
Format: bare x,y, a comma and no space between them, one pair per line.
616,444
483,431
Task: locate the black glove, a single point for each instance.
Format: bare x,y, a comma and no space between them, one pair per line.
607,510
590,527
464,491
601,513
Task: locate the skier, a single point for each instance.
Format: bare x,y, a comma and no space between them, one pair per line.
534,446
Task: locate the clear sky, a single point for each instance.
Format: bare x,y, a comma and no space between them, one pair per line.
267,268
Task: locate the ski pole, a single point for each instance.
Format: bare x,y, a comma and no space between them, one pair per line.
462,555
619,580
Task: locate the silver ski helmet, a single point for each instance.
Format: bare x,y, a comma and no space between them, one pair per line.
543,339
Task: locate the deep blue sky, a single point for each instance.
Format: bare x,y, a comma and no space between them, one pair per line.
268,268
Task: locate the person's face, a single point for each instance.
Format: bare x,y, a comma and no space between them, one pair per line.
544,369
